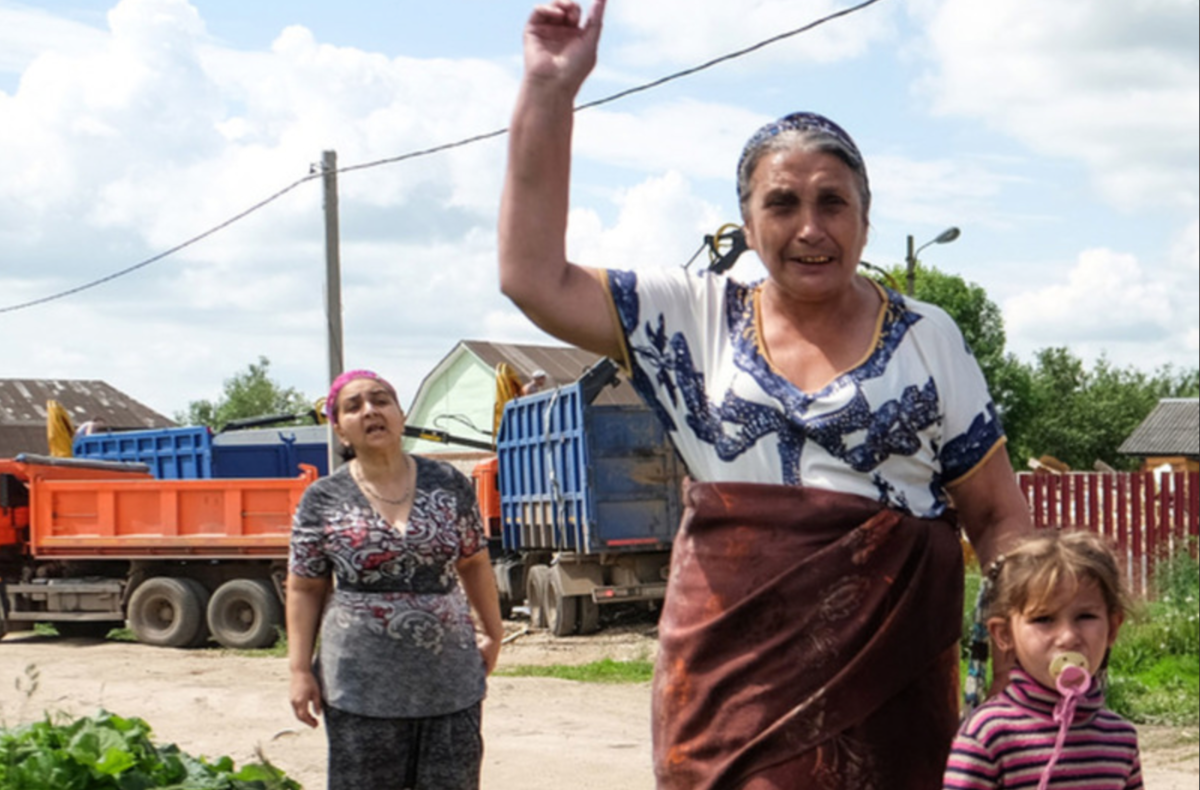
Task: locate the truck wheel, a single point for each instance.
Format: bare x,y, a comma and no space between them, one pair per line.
562,613
202,595
589,615
244,614
166,612
536,584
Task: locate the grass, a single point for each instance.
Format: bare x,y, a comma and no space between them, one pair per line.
1154,670
604,671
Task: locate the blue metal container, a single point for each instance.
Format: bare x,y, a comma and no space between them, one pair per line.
171,453
194,452
271,452
579,477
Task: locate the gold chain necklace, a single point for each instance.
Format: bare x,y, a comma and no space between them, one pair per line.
369,489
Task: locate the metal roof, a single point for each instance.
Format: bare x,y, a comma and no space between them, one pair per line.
23,410
1173,428
563,365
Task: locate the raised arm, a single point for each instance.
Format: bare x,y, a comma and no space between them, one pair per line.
565,300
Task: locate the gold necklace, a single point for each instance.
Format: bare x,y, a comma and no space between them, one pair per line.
369,489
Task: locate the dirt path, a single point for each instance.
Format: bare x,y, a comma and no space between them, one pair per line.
541,734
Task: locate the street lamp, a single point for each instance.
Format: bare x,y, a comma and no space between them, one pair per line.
945,237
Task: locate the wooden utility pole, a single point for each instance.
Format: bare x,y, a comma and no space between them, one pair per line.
333,285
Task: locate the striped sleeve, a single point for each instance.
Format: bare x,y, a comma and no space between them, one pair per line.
971,765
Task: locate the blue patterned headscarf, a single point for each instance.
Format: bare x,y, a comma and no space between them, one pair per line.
800,122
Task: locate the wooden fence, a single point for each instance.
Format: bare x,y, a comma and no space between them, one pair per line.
1147,516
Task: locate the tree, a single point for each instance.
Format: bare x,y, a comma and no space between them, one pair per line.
251,393
1082,416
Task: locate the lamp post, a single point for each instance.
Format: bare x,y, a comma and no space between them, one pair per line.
910,260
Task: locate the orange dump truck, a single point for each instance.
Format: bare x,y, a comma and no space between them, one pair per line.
91,545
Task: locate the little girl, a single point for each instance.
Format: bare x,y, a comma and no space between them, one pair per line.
1057,602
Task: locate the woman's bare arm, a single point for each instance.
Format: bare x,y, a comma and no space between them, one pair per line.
305,604
565,300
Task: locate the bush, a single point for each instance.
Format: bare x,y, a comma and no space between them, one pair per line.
109,751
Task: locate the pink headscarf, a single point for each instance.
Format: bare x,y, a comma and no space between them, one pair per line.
344,379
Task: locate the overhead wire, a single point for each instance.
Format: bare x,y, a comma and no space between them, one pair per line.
317,173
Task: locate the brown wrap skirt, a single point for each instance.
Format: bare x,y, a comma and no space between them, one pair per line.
809,639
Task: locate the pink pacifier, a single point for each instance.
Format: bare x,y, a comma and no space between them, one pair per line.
1070,673
1072,679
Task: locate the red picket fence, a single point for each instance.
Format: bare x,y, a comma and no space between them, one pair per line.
1147,516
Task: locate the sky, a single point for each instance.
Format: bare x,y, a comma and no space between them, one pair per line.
1060,137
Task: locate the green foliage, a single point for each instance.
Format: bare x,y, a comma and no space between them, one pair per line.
251,393
604,671
109,751
1080,416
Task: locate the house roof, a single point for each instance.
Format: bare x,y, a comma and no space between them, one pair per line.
1173,428
23,410
563,365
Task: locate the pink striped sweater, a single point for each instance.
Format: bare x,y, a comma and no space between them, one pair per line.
1007,742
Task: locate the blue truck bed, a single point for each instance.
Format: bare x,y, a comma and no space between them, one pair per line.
579,477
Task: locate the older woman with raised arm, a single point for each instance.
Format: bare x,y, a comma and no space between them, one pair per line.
831,428
388,558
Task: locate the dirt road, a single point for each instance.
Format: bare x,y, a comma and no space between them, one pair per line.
540,734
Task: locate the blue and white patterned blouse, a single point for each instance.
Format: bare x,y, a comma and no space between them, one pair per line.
913,416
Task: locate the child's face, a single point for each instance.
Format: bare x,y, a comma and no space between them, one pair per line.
1074,618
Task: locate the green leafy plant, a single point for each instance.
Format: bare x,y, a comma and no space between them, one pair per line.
107,751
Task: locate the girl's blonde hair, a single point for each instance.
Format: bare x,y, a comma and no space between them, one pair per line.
1027,576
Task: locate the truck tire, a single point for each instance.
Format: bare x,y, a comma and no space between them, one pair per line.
589,615
536,590
166,612
244,614
202,595
562,611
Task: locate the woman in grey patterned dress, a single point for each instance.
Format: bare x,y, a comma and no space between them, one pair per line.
387,560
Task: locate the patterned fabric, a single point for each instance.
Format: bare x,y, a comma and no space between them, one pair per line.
913,416
436,753
808,639
1008,742
397,637
799,122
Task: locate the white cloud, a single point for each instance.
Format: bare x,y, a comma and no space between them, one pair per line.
1110,303
689,32
937,191
27,33
1114,85
660,223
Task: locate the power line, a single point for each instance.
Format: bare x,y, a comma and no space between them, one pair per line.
437,149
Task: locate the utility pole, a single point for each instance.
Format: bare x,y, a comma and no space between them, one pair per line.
333,285
910,268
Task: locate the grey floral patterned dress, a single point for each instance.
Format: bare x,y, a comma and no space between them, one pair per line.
397,638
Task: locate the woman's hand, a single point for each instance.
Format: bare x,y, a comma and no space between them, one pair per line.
478,582
305,696
489,648
557,50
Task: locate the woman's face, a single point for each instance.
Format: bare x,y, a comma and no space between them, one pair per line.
805,220
368,415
